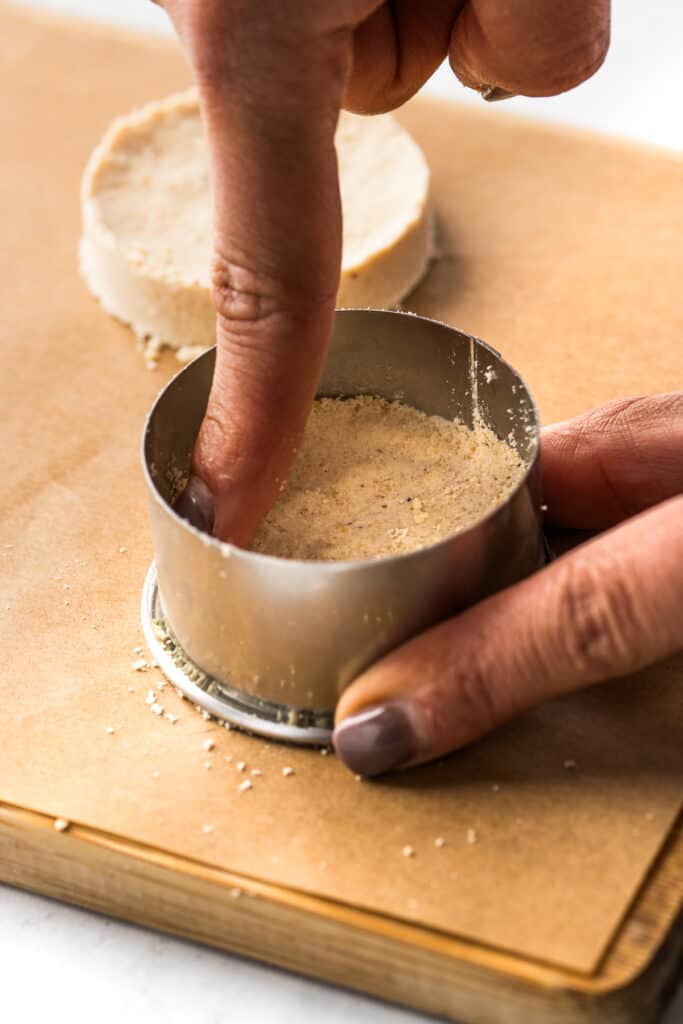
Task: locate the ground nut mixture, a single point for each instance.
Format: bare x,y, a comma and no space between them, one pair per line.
380,478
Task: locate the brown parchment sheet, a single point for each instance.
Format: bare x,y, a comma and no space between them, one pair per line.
563,251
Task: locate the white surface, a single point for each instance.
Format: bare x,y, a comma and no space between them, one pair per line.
59,963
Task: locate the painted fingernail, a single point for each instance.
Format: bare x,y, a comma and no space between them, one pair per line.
492,93
196,505
377,739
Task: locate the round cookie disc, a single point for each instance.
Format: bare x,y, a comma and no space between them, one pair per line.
147,219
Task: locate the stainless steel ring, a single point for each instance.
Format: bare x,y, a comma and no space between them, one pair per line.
269,644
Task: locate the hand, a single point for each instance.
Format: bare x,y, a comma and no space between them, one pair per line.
606,609
272,77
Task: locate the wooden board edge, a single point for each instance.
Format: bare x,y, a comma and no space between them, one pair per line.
399,962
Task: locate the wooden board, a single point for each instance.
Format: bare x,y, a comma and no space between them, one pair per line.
398,962
538,258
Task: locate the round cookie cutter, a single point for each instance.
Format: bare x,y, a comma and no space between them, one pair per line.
269,644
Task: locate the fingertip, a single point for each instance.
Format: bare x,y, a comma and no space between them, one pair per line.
196,505
377,739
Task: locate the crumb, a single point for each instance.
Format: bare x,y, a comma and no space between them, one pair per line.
286,771
324,751
227,757
245,785
109,730
256,771
241,765
156,774
569,764
439,842
358,778
122,550
207,765
140,665
170,718
131,689
206,716
408,851
207,828
138,650
208,744
472,836
495,787
363,453
544,508
156,709
235,893
60,824
151,697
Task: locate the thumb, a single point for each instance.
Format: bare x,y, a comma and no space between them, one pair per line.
605,609
270,97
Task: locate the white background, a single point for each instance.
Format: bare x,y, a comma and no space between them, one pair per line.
59,963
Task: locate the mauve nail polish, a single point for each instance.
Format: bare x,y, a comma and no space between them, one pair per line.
196,505
377,739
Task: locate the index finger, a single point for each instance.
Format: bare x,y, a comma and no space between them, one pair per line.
270,95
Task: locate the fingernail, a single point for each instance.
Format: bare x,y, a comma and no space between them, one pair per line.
492,93
377,739
196,505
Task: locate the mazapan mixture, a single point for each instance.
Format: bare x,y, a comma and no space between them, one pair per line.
379,478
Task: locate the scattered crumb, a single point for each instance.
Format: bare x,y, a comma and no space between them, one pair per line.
131,689
180,693
241,765
408,851
439,842
151,697
208,744
156,774
122,550
207,765
138,650
140,665
324,751
358,778
109,730
207,828
206,716
245,785
235,893
544,508
472,836
227,757
286,771
649,816
495,787
256,771
156,709
226,725
569,764
60,824
170,718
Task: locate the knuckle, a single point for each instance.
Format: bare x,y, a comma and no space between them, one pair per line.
241,295
597,618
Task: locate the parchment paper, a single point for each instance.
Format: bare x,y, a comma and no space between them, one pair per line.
563,251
